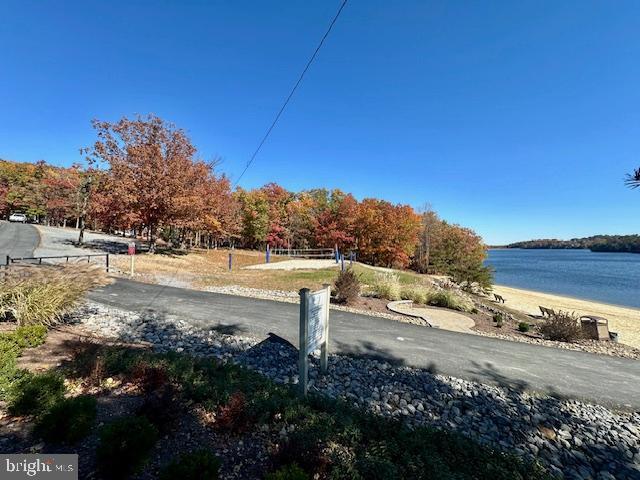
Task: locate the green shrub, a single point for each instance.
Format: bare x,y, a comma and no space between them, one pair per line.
44,295
524,326
347,286
562,327
69,420
386,285
199,465
498,317
288,472
448,299
34,393
415,293
29,336
125,445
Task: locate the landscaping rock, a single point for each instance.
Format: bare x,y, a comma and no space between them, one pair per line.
572,439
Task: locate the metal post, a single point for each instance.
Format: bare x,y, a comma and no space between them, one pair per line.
268,257
40,261
324,348
303,362
8,260
337,254
107,263
132,264
230,261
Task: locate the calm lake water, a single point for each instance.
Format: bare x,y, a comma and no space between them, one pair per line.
604,277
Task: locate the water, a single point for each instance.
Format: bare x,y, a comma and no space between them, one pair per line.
605,277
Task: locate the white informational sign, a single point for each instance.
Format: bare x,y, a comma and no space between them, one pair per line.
314,331
317,316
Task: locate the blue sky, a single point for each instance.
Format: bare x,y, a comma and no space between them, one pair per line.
518,119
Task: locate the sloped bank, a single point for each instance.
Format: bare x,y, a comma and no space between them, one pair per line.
573,439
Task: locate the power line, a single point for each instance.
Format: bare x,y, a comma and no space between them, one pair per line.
293,90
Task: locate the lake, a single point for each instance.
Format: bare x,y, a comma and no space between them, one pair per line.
605,277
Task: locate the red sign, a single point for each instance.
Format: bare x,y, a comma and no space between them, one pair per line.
132,248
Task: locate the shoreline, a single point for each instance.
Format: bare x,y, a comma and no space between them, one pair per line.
623,320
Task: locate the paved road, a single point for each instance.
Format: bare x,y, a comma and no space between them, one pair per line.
17,240
606,380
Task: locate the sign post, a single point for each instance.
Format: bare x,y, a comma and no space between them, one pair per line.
314,331
131,250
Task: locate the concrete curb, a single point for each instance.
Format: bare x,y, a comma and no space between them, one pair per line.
393,306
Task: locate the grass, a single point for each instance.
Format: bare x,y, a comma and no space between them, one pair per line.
327,438
210,268
34,393
125,445
68,420
43,295
11,346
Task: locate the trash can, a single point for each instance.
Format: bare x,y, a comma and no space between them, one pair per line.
595,328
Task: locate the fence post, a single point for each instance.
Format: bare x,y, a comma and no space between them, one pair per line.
303,360
324,348
230,260
107,263
268,257
8,260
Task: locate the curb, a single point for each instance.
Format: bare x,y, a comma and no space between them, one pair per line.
393,306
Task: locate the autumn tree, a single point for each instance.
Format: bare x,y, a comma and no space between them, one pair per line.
460,253
386,234
429,223
149,162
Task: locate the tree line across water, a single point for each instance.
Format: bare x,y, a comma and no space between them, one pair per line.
143,175
596,243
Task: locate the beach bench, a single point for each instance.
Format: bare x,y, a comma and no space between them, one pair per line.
499,298
547,312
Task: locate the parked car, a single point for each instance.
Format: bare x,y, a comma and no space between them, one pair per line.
18,217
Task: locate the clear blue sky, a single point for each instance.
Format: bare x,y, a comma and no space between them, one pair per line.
518,119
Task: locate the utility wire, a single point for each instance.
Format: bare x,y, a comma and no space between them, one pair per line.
293,90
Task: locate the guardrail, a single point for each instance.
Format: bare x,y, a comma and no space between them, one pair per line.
11,260
304,252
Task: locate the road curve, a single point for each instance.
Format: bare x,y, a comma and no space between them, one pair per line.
609,381
601,379
17,240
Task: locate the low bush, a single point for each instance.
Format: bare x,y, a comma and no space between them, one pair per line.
524,327
29,336
448,299
44,295
199,465
125,445
562,327
69,420
347,286
288,472
162,408
233,415
415,293
35,393
386,285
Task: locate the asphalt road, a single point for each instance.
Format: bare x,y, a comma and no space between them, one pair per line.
17,240
601,379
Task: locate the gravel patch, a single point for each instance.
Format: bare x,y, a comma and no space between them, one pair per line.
574,440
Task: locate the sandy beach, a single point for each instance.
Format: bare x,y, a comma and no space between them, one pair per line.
624,320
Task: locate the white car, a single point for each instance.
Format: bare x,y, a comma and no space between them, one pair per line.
18,217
